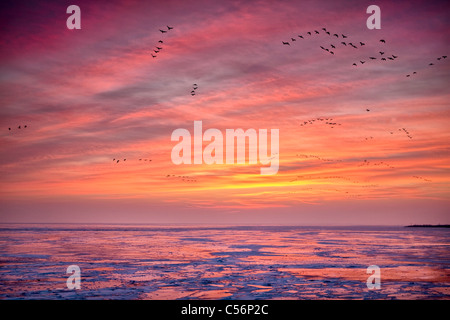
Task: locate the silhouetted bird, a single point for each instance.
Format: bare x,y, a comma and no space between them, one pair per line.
383,41
362,62
390,58
331,52
160,41
408,75
309,33
355,64
367,110
372,58
153,56
328,33
169,28
344,36
445,57
344,43
336,35
293,39
117,161
322,48
159,48
324,29
414,72
301,37
162,31
362,43
431,64
333,47
394,56
9,129
156,51
317,32
19,127
286,43
381,52
384,59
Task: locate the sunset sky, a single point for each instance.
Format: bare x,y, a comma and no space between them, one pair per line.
93,95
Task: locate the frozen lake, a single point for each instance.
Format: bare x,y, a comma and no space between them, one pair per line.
222,262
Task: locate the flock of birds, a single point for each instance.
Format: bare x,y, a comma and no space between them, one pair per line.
343,42
124,160
182,178
308,156
364,163
159,47
194,87
332,48
18,127
327,122
430,64
381,163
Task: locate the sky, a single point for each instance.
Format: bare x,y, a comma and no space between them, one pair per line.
360,144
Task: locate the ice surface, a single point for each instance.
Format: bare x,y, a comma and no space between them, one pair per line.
218,262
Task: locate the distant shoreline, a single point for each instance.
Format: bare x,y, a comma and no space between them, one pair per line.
428,226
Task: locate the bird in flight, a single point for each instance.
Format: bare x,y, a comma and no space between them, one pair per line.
383,41
367,110
384,59
336,35
362,43
317,32
431,64
372,58
333,47
301,37
327,32
162,31
153,56
445,57
394,56
324,29
344,36
156,51
286,43
160,41
381,52
169,28
362,62
344,43
309,33
293,39
159,48
355,64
